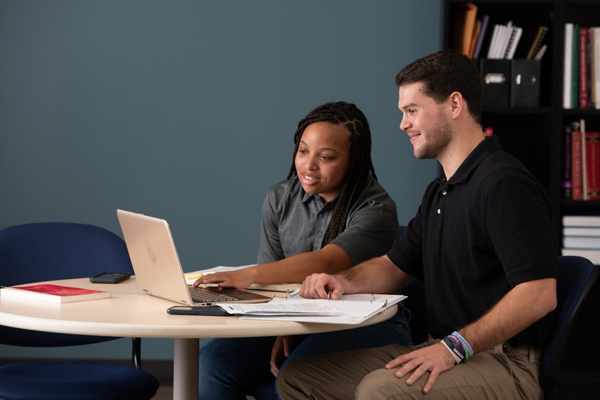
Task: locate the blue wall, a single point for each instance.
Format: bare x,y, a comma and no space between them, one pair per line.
186,110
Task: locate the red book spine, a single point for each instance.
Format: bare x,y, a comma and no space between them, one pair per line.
567,163
593,164
576,179
583,78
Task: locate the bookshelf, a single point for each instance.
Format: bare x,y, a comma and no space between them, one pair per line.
535,135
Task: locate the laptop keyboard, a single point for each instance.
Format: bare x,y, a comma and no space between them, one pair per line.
209,295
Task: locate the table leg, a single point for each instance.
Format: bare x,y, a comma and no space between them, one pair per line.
185,369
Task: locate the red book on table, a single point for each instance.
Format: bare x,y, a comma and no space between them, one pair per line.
50,293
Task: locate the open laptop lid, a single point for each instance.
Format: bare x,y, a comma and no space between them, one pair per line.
154,257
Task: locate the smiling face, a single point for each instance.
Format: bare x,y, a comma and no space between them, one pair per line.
424,121
322,159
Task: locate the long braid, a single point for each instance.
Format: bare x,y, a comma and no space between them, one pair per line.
360,164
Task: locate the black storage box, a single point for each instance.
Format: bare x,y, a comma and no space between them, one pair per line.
524,83
496,80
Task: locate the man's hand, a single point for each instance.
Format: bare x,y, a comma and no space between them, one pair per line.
434,359
323,286
281,349
238,279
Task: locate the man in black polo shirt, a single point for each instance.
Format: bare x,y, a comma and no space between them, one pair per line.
481,242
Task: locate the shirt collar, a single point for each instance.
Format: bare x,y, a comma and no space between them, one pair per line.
479,153
306,197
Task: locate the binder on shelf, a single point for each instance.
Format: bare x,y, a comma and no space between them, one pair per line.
496,83
525,83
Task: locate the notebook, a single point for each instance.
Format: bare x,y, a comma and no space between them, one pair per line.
158,271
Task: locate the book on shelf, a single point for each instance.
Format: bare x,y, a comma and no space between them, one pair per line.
468,30
584,165
582,161
574,83
592,170
584,221
576,162
595,67
567,164
581,75
513,41
592,255
536,44
480,35
583,71
541,52
465,23
50,294
568,66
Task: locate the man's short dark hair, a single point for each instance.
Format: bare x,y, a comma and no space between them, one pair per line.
445,72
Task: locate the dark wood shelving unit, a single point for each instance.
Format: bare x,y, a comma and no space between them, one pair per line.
536,135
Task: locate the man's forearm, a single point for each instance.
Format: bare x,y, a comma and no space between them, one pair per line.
525,304
377,275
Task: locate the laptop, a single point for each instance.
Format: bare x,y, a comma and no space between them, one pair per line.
157,268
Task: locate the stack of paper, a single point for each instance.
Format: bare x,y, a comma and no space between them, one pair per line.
350,309
283,288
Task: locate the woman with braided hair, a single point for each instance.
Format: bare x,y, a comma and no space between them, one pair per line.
328,215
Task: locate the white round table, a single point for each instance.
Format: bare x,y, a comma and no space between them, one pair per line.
130,313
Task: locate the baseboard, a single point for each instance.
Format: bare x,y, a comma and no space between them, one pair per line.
160,369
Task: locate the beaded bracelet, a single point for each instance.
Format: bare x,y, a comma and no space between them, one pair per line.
458,346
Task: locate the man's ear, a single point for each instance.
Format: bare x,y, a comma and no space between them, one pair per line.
456,104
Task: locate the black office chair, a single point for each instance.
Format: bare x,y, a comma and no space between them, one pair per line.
576,277
49,251
415,290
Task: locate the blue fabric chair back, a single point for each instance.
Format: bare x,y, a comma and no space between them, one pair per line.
55,250
576,277
50,251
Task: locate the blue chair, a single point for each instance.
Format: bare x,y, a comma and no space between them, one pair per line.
576,277
49,251
415,290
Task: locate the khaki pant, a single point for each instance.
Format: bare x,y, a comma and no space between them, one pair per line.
501,373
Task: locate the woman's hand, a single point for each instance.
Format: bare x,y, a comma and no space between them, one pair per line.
238,279
281,349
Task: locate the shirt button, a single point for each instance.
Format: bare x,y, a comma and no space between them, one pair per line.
439,211
444,193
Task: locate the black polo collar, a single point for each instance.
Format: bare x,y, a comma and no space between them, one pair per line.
484,149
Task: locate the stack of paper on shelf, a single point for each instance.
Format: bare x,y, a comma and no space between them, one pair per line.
581,237
350,309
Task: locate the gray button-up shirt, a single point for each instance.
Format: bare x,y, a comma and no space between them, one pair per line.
295,222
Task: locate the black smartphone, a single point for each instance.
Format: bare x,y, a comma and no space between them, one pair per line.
109,277
208,310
